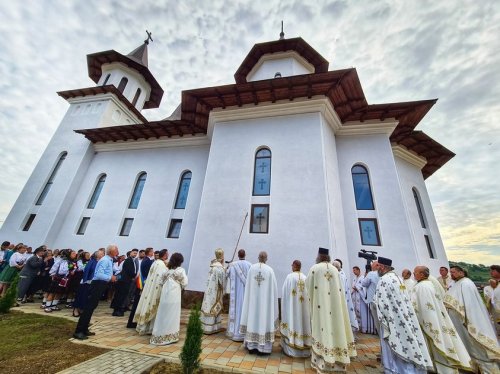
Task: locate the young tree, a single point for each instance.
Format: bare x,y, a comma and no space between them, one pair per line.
9,298
190,355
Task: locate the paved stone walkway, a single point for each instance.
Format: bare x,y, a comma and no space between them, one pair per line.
115,362
218,352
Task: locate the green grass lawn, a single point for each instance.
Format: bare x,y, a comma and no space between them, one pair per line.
32,343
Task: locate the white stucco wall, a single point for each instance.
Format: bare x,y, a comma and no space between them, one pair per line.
299,221
287,64
375,153
338,244
83,113
164,167
409,177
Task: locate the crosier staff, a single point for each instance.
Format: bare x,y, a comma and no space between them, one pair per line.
239,237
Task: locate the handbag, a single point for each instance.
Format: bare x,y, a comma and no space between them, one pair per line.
63,282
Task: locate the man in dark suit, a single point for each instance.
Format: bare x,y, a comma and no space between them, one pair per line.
29,272
145,266
122,286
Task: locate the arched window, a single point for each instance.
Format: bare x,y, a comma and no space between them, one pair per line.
262,173
419,207
362,190
136,196
97,192
106,80
136,97
49,183
182,192
123,83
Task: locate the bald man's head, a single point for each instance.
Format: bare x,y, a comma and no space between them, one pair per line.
421,273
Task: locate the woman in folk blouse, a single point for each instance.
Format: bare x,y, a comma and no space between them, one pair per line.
168,319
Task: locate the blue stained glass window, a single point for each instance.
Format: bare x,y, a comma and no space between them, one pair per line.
97,192
369,231
182,193
362,190
262,173
259,220
136,196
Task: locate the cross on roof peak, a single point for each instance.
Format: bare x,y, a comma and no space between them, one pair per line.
148,38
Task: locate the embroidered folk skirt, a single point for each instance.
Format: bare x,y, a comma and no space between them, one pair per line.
8,274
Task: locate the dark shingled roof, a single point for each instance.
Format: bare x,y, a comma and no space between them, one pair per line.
341,87
298,45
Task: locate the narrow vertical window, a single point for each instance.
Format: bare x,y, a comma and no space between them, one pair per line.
126,227
97,192
262,173
174,230
429,246
259,220
182,193
28,223
368,230
83,226
106,80
49,183
136,97
419,208
362,190
136,196
123,84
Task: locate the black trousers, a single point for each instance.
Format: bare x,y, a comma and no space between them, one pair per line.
121,291
134,306
97,287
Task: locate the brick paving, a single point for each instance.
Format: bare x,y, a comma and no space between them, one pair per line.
218,351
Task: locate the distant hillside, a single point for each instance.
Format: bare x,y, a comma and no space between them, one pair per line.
478,273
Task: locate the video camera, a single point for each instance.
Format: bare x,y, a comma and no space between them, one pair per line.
369,256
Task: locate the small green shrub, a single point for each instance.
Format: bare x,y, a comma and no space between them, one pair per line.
9,299
190,355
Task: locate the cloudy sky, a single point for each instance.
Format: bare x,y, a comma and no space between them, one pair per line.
403,50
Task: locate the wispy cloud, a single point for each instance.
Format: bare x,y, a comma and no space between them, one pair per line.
402,50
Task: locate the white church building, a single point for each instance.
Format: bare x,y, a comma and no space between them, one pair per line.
290,153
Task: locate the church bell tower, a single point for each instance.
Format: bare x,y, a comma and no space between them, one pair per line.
124,86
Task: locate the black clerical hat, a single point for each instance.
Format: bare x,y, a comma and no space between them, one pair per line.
323,251
384,261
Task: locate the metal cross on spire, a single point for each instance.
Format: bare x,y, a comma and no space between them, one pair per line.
148,38
282,34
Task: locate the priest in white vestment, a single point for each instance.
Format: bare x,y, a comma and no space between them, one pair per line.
211,307
402,342
145,313
237,277
407,279
356,293
347,291
445,346
444,278
470,317
259,316
295,326
331,334
168,322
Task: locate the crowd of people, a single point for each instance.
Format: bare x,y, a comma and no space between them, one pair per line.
425,324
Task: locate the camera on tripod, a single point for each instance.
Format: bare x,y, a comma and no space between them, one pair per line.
369,256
